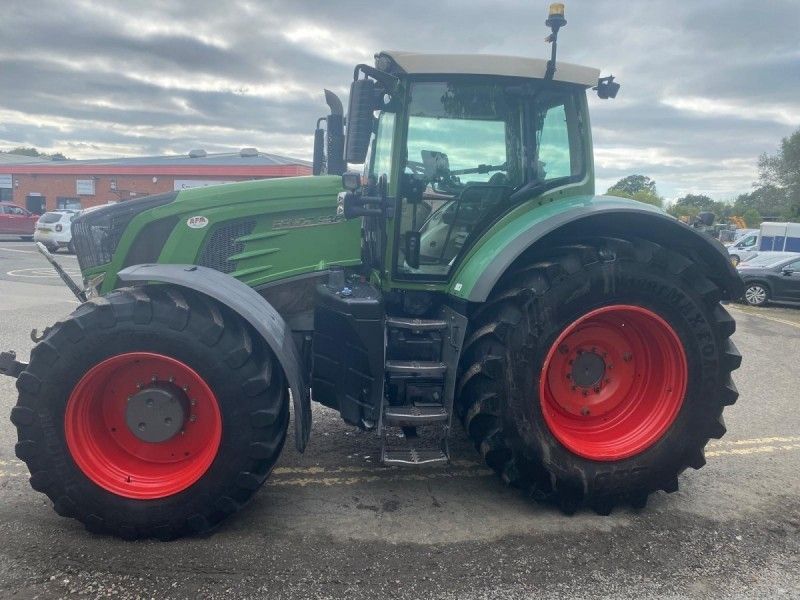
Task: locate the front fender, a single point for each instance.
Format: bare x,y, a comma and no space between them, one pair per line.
583,216
254,309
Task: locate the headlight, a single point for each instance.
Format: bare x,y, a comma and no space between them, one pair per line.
96,234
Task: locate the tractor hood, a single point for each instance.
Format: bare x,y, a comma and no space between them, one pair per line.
257,231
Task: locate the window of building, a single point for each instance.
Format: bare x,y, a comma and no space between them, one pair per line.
6,195
67,203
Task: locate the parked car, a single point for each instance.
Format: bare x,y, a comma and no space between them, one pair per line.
771,276
54,230
744,247
15,220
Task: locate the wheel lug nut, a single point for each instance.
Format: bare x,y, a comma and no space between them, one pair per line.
149,403
168,421
142,426
627,357
568,376
585,411
597,390
193,418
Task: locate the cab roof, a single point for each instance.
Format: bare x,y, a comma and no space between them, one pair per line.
414,63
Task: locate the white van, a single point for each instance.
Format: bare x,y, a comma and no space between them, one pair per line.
745,247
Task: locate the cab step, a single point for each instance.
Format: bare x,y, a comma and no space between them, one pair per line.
415,324
412,457
419,368
399,416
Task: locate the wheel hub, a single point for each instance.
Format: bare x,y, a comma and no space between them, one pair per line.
157,413
613,382
588,369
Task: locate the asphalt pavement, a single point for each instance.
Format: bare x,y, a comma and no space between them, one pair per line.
332,523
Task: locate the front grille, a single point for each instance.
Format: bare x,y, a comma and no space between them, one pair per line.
96,234
223,243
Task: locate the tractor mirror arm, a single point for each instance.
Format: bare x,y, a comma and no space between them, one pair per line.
389,82
606,87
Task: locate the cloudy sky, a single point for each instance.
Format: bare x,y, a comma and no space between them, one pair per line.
707,85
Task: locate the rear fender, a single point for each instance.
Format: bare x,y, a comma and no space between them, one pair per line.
254,309
581,217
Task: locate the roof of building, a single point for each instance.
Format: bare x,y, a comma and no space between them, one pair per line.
415,63
246,162
7,158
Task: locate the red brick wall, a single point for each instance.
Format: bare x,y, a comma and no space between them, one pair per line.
128,186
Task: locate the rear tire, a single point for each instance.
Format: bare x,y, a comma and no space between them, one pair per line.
517,332
244,386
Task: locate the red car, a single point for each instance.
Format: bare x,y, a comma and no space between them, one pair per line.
15,220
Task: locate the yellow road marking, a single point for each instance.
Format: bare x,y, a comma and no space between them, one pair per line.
458,469
752,450
768,318
756,441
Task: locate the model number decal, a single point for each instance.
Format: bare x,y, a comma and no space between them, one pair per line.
294,223
197,222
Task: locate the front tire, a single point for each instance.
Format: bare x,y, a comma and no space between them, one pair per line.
96,445
563,401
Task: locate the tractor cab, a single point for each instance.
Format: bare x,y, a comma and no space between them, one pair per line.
450,143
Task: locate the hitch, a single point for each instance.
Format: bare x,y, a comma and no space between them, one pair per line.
9,365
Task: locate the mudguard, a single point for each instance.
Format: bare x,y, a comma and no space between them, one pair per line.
583,216
254,309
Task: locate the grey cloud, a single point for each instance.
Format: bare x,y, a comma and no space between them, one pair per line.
729,51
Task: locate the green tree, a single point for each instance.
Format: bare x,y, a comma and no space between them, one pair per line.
782,172
30,151
752,218
643,195
766,200
632,184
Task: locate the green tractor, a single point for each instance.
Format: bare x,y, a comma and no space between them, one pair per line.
468,272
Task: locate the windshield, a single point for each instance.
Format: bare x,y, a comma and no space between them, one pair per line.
50,217
470,146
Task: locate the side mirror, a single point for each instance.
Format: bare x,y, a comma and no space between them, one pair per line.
606,87
360,120
411,250
788,271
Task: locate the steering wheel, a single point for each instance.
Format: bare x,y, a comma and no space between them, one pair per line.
498,178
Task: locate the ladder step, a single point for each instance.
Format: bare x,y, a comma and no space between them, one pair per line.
416,367
413,457
414,415
416,324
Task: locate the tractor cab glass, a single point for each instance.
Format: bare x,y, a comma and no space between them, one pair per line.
469,147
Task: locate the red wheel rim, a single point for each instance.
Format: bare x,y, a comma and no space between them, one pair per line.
613,382
108,451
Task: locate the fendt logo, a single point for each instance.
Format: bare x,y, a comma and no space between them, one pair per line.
197,222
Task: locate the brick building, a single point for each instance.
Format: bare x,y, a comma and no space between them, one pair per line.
49,185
